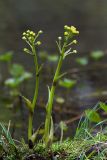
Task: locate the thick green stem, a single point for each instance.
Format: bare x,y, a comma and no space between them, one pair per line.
50,101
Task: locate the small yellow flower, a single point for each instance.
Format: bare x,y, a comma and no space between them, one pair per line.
74,30
66,33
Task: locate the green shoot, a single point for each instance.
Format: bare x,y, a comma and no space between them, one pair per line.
64,50
31,39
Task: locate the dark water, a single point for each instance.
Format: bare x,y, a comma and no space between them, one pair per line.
91,19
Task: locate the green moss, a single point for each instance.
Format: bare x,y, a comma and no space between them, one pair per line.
67,150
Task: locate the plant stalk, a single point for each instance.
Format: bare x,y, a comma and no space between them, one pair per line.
50,101
30,125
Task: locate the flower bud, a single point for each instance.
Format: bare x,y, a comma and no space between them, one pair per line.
28,31
74,41
24,34
40,32
65,27
31,32
74,51
38,43
65,33
60,38
24,38
25,49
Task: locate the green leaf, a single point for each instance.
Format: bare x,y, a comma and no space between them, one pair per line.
82,61
67,83
7,57
27,102
97,55
25,76
92,115
12,82
52,58
16,81
16,70
7,134
103,106
51,134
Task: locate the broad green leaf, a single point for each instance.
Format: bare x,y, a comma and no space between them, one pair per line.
16,70
82,61
6,57
103,106
97,55
93,116
67,83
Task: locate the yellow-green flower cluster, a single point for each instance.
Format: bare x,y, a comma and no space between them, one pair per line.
30,36
70,31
